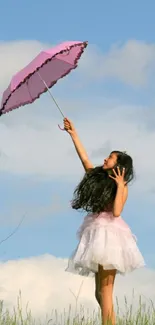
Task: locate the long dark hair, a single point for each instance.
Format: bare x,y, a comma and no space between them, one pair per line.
96,192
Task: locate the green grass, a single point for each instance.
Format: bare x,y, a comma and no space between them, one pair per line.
143,316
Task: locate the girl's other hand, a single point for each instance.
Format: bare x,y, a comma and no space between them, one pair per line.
119,177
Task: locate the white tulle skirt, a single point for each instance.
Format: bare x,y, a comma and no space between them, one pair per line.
108,241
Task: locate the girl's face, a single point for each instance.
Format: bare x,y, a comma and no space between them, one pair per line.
110,161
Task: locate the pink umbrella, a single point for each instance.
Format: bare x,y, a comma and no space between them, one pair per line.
41,74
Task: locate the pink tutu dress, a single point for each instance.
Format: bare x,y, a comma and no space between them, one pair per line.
108,241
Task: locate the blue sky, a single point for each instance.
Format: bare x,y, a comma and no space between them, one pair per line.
103,24
100,22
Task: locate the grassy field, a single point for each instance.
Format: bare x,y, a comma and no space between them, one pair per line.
143,316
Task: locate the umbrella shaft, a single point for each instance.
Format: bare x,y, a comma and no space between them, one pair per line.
51,94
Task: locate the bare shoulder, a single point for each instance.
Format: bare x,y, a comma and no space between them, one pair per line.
125,194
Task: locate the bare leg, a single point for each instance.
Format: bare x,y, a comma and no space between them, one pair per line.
97,288
107,278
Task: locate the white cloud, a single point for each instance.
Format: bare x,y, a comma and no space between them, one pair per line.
42,281
31,143
131,62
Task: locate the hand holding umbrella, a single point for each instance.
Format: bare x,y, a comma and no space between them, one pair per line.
68,126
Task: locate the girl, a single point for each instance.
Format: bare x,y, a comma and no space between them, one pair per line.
106,244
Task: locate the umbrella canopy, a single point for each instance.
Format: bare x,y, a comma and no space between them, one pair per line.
41,74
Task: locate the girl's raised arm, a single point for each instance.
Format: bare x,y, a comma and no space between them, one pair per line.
69,127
